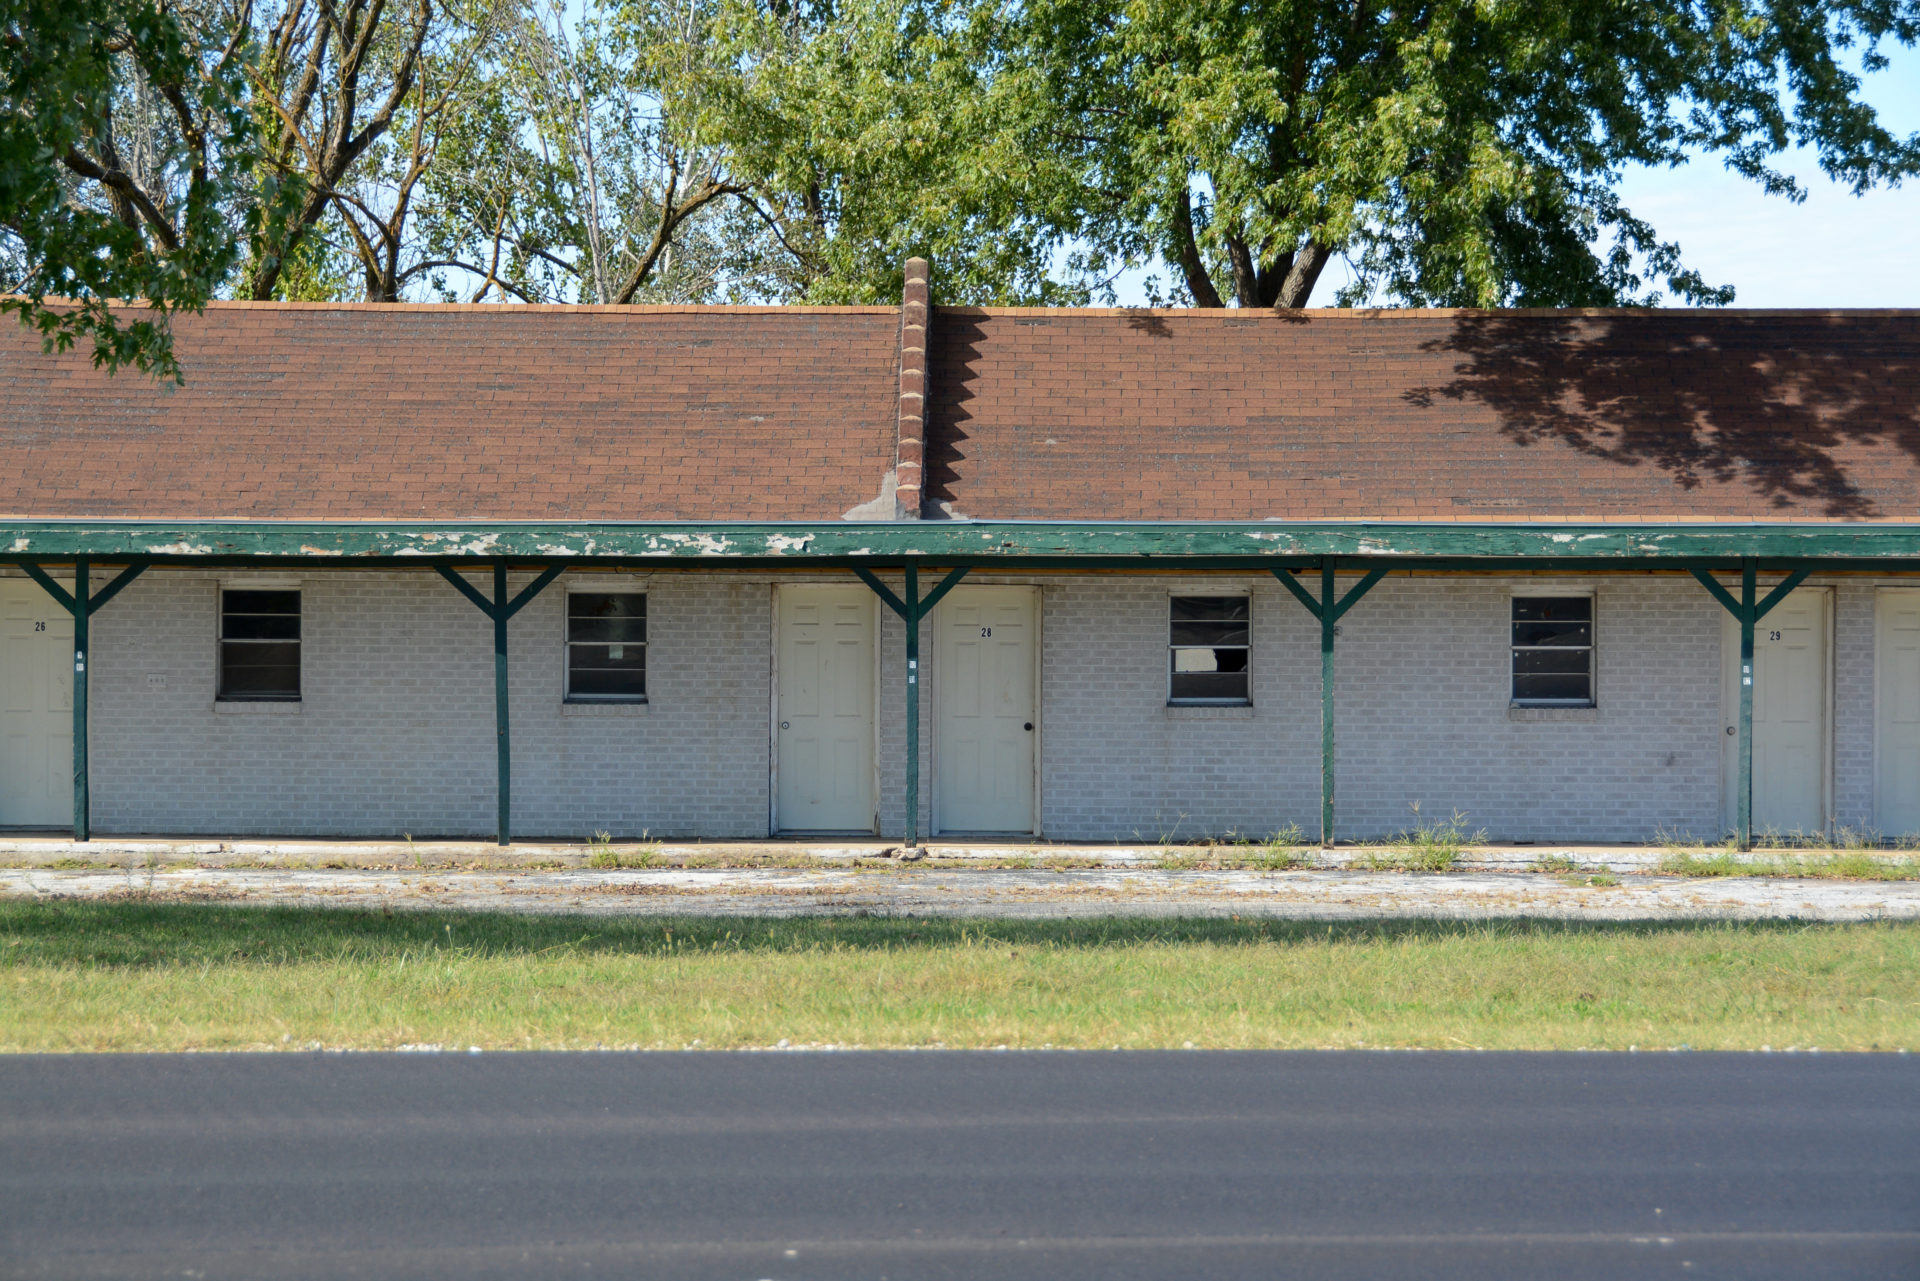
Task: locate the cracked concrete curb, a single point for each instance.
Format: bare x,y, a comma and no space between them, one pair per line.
1304,895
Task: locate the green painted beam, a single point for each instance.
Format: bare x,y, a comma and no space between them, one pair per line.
1329,608
1301,594
1748,612
951,542
82,604
115,587
501,609
1779,593
911,611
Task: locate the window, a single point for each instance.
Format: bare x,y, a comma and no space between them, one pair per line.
606,647
1553,651
1207,640
259,646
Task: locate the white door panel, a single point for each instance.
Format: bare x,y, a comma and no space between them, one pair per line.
986,714
36,708
1897,718
824,727
1789,715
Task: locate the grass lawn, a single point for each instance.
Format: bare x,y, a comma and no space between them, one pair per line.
157,976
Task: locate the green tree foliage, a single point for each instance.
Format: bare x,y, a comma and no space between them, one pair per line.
1465,152
125,157
1459,152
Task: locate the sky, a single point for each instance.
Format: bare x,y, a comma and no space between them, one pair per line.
1833,250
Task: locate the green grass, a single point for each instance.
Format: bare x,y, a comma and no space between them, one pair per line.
1855,865
134,975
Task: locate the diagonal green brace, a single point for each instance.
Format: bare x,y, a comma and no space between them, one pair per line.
82,605
501,610
1747,612
911,611
1329,609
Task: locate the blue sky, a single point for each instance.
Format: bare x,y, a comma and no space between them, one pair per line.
1833,250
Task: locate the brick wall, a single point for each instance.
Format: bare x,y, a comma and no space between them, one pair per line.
395,733
396,728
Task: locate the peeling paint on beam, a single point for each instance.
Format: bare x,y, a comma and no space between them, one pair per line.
961,542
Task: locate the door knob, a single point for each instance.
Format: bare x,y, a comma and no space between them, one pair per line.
784,725
1029,727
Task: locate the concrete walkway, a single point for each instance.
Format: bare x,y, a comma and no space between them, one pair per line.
19,850
894,889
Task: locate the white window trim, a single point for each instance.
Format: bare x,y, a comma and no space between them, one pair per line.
602,585
257,583
1166,646
1534,590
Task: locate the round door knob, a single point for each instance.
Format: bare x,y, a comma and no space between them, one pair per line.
784,725
1029,726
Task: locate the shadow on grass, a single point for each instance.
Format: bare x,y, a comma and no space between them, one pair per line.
134,934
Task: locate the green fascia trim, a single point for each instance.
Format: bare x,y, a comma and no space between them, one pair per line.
1242,545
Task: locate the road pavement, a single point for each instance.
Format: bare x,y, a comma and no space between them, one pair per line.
932,1165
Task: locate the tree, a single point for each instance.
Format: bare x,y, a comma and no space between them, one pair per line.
866,131
124,153
1457,152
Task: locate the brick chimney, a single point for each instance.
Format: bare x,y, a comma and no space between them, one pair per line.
910,445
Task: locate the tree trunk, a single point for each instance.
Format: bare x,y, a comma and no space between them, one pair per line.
1187,254
1308,263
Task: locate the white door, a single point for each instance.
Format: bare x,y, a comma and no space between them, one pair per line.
1789,715
36,708
1897,719
985,714
824,710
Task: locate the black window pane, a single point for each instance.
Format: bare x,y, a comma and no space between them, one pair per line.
1209,633
260,627
1209,608
621,656
1549,687
626,630
609,683
607,605
1210,686
1556,609
259,671
1532,661
1571,632
257,602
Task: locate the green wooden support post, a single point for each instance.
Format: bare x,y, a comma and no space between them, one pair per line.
1743,794
1327,633
1747,612
911,611
501,610
502,732
1329,609
82,603
82,800
912,619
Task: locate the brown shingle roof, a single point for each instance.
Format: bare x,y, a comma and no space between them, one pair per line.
487,413
325,412
1421,415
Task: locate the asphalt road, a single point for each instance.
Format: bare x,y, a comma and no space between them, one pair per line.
935,1165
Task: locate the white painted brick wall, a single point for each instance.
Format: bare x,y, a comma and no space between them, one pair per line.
1853,710
396,730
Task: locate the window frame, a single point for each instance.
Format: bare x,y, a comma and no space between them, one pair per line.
1532,592
220,642
617,588
1239,592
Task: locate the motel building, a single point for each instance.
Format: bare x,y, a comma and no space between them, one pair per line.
913,571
